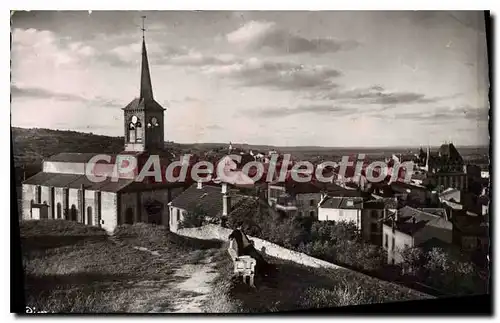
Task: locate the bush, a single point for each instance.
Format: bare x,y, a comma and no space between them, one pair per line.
194,218
443,271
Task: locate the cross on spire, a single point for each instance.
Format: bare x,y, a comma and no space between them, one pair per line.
143,29
146,88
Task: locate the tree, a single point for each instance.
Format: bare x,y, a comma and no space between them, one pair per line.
196,217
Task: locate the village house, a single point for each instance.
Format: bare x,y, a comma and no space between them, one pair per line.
62,190
214,202
342,208
353,206
470,233
296,198
372,216
411,228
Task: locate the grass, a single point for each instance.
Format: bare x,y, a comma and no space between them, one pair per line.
298,287
80,269
70,267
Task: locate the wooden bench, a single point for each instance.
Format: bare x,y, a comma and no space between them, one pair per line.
244,266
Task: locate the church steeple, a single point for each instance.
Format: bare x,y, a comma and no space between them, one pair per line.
146,88
143,117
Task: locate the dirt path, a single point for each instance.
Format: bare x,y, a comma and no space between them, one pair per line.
184,292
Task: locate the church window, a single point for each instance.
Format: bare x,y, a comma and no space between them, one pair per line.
129,216
58,211
89,215
134,130
73,213
138,131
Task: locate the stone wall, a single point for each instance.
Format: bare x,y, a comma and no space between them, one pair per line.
210,231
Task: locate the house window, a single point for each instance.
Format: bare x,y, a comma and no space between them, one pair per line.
393,243
312,214
350,203
386,240
311,203
38,194
393,261
58,210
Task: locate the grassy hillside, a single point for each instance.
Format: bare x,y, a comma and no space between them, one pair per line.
32,145
70,267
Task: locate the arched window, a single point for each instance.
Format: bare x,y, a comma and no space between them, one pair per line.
89,215
58,210
135,130
138,132
129,216
72,213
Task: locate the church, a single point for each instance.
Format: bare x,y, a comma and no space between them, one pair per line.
62,189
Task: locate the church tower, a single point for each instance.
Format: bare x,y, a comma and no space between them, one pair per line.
143,117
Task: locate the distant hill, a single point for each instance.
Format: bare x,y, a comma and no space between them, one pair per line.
32,145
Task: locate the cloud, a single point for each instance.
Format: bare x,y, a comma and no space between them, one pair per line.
262,35
44,47
40,93
278,75
374,95
317,109
445,114
194,58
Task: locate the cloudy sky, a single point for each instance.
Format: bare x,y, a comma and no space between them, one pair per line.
282,78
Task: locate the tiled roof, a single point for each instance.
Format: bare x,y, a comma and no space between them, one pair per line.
71,157
342,203
382,203
208,198
450,151
75,181
400,186
411,220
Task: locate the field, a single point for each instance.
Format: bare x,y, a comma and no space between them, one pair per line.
70,267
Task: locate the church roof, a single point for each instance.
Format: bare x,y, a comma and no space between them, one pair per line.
71,157
76,181
144,104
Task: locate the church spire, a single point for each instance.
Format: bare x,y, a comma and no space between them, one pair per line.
146,88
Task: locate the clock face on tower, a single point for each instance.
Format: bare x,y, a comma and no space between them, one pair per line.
134,119
154,121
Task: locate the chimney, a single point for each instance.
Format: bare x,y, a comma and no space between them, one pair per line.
226,200
199,185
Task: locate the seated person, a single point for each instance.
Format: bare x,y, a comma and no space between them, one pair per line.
244,246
